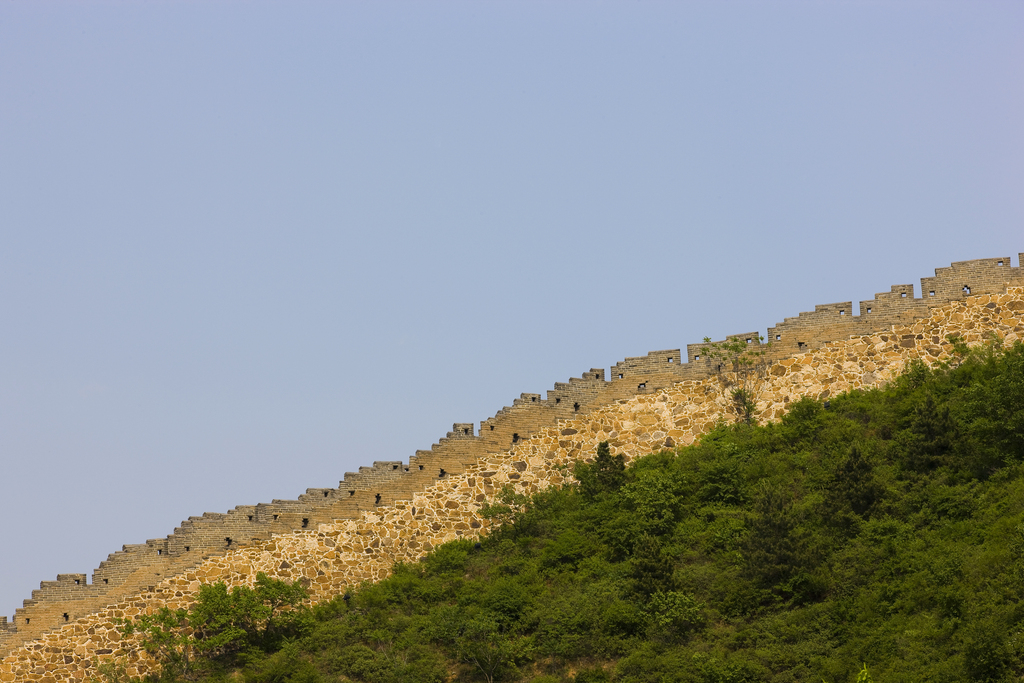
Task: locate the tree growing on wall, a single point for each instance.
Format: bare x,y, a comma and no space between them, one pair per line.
741,367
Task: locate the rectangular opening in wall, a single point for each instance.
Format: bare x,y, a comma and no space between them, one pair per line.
107,581
999,263
66,618
275,517
670,359
869,309
620,375
931,293
778,337
78,582
158,552
903,294
250,518
305,522
842,312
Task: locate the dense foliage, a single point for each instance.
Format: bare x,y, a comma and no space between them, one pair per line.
883,527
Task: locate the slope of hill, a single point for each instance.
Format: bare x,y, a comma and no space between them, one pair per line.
883,527
403,512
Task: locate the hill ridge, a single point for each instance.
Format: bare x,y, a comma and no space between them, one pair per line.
641,378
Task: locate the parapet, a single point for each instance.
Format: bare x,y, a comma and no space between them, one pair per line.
655,362
829,322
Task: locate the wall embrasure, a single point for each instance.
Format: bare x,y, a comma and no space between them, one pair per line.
332,554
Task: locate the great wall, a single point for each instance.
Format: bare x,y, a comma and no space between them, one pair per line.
394,511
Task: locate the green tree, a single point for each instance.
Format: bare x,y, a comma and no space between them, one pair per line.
477,640
224,621
220,622
605,475
492,652
987,656
651,567
994,407
741,367
673,614
507,509
165,635
112,672
852,490
774,550
926,444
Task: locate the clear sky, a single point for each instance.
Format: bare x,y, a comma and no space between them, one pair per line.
247,247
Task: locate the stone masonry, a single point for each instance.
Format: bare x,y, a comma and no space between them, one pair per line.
335,538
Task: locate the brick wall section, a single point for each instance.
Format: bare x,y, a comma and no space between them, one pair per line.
334,555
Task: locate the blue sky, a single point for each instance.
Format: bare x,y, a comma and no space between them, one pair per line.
247,247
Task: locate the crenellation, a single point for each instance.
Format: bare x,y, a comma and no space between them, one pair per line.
899,305
655,362
810,329
462,430
388,484
978,276
318,494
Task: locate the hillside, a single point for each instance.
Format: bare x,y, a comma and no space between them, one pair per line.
883,527
396,514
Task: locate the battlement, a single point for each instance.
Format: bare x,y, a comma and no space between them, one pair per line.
828,322
137,567
655,362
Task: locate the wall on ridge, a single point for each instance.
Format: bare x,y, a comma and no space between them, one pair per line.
339,554
137,567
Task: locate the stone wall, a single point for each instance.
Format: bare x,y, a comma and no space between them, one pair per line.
348,539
